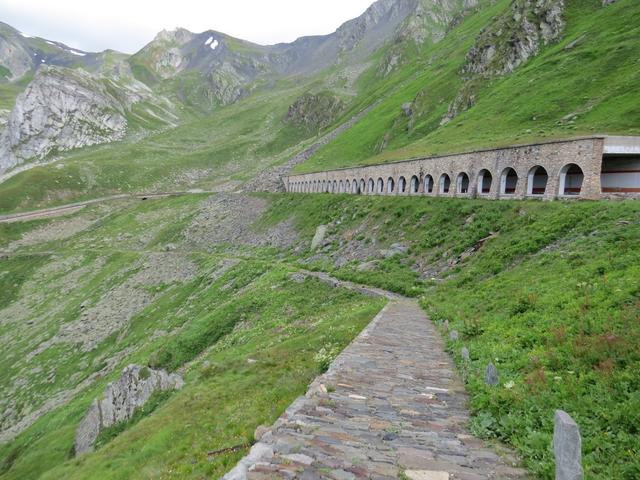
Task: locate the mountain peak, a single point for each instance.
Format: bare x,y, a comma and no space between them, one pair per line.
178,35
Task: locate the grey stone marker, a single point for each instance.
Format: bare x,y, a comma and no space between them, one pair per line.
465,354
567,446
454,335
491,376
318,238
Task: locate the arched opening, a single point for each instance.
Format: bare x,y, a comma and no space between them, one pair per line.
620,173
508,181
445,183
371,186
484,182
462,184
362,186
347,186
571,178
428,184
402,185
354,186
324,186
334,187
537,181
391,185
380,186
414,185
340,186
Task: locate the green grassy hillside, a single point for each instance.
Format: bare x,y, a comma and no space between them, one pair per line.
583,84
546,291
245,336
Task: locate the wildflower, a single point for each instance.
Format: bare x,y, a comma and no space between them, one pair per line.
509,385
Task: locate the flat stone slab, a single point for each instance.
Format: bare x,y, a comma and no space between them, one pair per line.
426,475
390,404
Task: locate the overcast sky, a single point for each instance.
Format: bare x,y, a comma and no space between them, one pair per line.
127,25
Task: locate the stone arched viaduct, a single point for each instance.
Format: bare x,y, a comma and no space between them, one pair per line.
590,168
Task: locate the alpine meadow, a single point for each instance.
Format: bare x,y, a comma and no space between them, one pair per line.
408,249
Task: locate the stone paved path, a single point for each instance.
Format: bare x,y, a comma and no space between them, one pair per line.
390,404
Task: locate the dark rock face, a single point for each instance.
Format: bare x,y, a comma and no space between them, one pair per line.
510,41
315,112
514,38
120,400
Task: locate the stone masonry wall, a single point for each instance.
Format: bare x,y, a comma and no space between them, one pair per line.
555,157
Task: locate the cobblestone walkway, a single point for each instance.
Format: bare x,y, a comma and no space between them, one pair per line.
390,404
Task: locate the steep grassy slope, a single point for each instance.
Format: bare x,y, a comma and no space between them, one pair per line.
546,291
583,84
247,338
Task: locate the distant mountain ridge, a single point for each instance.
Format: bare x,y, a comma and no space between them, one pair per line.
201,70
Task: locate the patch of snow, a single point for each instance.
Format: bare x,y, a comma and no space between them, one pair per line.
80,54
214,45
51,43
25,35
42,60
208,42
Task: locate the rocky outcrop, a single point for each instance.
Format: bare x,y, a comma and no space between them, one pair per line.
315,111
63,108
428,23
60,110
374,22
515,37
510,40
120,400
166,55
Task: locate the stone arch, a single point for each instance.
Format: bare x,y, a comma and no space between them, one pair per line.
380,186
371,186
354,186
340,186
324,186
485,179
402,185
571,180
445,184
428,184
347,186
414,184
508,181
391,185
537,180
362,186
334,186
462,183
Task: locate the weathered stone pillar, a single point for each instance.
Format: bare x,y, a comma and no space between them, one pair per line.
567,446
521,186
591,186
